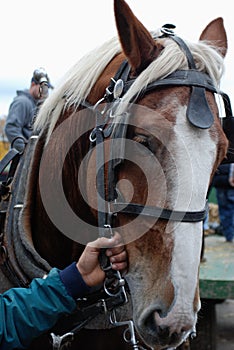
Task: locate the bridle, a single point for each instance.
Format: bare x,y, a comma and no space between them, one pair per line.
202,117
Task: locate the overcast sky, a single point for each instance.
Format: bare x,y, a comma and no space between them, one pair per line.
56,33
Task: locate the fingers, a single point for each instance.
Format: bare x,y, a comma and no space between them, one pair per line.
104,242
118,258
115,250
120,266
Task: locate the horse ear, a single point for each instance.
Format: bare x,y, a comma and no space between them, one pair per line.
216,33
137,43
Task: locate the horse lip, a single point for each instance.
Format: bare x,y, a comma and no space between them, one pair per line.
155,343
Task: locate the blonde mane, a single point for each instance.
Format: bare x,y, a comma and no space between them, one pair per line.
79,80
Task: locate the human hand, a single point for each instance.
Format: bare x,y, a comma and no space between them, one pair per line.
88,264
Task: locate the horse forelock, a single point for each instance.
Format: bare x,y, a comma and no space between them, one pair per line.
77,84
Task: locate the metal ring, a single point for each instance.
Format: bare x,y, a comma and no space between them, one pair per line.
91,138
108,292
167,31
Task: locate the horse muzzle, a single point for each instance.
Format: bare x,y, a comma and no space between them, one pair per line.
165,332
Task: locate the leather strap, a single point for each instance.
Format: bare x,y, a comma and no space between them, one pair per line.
186,50
8,158
156,212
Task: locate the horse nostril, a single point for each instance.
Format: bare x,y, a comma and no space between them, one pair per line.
162,331
150,323
174,338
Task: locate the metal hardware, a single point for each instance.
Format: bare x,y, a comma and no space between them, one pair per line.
167,29
118,89
98,103
92,136
115,286
60,342
129,333
193,333
108,232
18,206
85,313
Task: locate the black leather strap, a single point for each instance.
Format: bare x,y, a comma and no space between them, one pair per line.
201,117
13,153
100,161
156,212
186,50
178,78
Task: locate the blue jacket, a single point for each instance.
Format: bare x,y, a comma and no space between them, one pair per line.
20,117
25,313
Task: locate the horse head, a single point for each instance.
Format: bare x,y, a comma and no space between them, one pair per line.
168,164
163,142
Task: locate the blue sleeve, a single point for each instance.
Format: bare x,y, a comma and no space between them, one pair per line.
17,118
28,312
73,281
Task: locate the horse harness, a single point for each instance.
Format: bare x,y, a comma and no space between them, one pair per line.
114,292
202,118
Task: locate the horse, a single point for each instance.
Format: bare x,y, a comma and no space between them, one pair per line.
128,141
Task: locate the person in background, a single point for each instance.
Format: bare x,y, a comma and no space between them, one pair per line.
26,313
223,181
24,107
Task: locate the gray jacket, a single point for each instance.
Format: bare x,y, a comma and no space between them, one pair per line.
20,117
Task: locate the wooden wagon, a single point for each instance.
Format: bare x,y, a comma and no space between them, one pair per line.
216,285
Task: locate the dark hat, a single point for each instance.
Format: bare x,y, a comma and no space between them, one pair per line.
40,76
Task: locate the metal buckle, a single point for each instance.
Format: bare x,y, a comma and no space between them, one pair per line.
59,342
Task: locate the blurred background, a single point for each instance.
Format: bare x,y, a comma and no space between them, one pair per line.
55,34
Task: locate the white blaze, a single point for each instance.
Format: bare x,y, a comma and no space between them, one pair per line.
194,153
